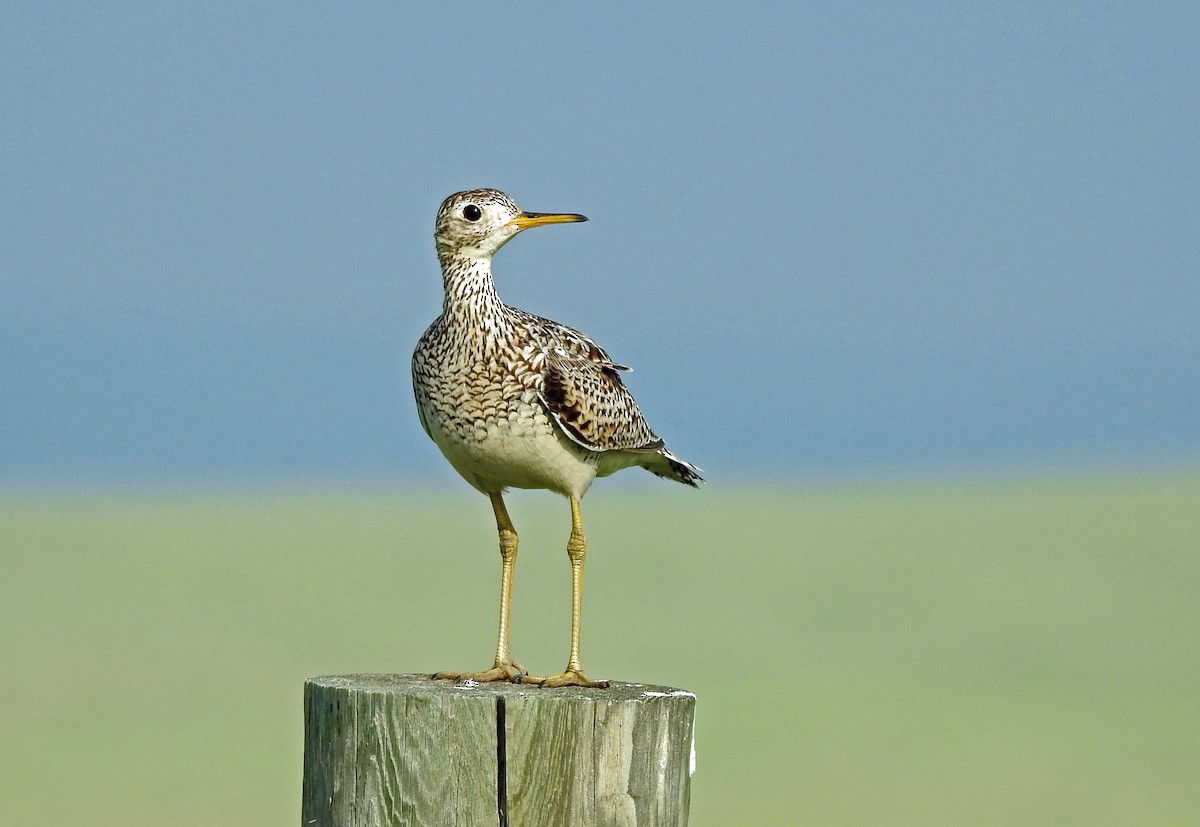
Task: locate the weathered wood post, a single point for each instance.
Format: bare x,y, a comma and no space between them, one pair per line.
406,750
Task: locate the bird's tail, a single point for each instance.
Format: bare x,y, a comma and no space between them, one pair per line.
667,465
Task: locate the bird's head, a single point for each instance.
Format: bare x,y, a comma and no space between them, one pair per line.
477,223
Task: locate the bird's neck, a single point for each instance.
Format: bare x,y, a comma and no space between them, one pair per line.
470,290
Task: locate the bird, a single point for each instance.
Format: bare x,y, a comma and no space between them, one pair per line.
514,400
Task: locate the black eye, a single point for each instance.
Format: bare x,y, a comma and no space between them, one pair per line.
472,213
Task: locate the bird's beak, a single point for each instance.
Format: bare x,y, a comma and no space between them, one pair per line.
536,219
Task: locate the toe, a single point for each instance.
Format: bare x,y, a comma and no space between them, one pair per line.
568,678
500,672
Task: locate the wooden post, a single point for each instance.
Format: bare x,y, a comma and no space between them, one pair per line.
406,750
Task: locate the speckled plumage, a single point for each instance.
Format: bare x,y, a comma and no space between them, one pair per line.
517,401
513,399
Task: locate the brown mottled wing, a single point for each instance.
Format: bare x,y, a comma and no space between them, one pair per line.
583,391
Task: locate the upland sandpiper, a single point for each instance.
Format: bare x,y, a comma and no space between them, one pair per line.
517,401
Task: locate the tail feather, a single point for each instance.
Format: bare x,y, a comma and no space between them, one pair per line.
668,466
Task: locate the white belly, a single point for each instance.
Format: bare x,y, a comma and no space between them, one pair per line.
522,450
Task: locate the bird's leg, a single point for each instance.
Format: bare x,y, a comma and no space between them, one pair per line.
505,668
508,559
576,551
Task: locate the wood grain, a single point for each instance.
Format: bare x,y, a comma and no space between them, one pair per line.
384,750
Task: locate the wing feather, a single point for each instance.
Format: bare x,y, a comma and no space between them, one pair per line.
581,387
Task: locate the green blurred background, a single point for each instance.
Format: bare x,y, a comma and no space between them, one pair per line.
954,651
915,284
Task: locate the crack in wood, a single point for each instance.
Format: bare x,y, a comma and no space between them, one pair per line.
501,765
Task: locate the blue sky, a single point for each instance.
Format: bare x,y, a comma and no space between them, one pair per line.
837,236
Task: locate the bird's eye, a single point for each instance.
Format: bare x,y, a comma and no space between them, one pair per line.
472,212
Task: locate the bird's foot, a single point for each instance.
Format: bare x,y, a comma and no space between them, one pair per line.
506,671
572,677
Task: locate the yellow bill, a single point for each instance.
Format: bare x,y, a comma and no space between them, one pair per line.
536,219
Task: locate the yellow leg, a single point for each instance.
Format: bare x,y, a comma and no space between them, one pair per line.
505,668
576,551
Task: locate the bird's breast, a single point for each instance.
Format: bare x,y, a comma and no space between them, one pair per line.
480,406
466,383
